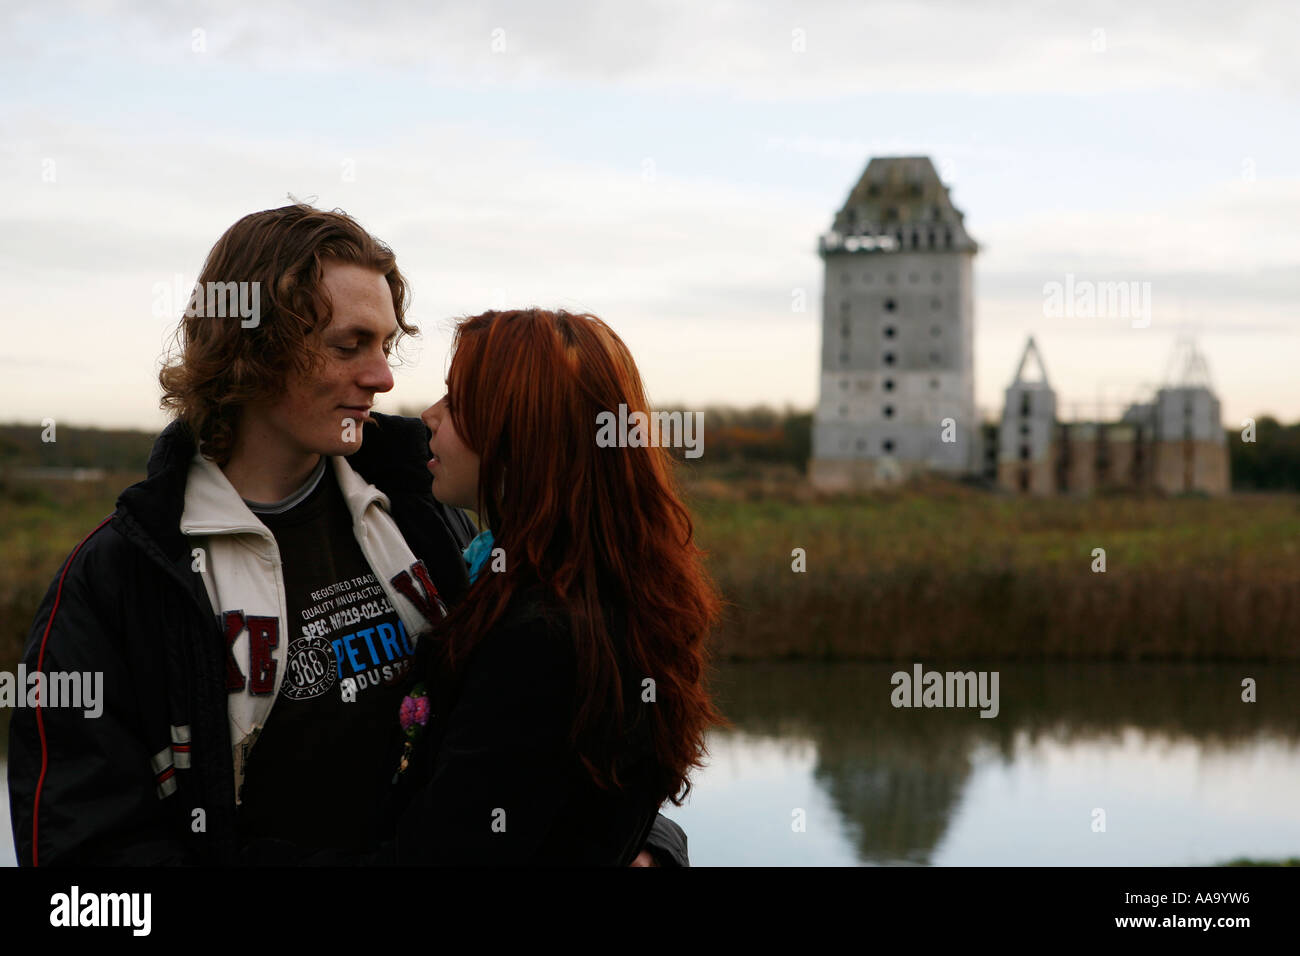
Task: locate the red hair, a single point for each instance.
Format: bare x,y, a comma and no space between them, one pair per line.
598,528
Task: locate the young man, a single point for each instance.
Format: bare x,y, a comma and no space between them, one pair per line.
254,606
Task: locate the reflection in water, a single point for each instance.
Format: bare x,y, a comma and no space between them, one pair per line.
7,857
944,785
1186,772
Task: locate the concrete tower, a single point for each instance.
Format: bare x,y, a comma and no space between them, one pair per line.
1191,451
1026,459
898,324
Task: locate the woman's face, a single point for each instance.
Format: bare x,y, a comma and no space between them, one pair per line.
454,467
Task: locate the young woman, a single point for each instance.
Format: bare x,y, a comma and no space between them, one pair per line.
567,698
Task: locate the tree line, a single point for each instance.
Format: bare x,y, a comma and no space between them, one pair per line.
756,436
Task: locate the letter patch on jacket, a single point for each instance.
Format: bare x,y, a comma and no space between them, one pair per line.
263,638
430,602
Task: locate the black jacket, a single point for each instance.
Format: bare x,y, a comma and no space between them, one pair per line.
506,784
126,604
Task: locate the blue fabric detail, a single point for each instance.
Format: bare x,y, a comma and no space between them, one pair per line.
476,555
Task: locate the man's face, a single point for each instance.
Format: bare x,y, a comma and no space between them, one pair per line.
313,414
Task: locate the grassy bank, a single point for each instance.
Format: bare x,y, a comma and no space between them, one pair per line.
40,524
960,573
946,572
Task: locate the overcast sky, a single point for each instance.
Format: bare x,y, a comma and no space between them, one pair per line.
665,165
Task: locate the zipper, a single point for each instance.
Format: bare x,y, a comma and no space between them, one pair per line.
281,653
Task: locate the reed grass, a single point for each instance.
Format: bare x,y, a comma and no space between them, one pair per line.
939,571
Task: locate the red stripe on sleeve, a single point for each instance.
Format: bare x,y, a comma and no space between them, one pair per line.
40,666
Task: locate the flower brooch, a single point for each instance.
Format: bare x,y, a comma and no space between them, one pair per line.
414,716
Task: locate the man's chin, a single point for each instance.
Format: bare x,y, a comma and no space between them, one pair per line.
343,448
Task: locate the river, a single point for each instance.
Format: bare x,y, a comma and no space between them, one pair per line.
820,769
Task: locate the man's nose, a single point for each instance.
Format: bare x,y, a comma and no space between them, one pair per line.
377,376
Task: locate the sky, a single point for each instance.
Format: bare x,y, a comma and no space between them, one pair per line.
667,166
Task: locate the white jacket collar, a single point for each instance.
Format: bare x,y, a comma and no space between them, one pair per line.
213,506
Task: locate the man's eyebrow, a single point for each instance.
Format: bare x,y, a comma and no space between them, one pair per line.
361,331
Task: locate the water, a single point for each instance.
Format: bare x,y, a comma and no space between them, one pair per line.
7,857
1185,771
